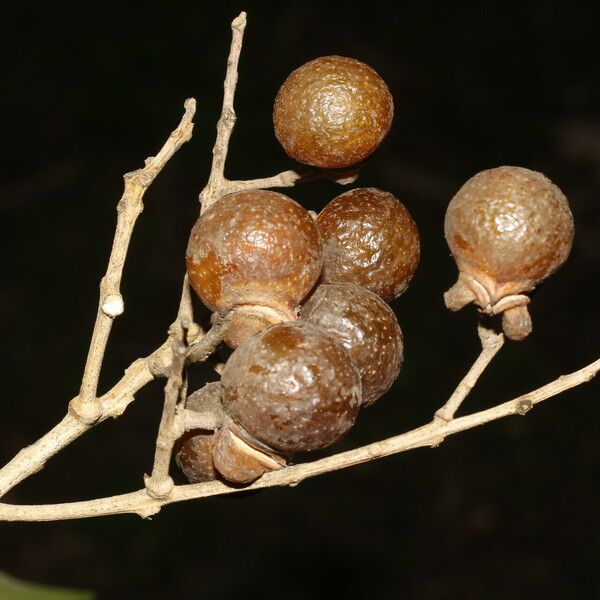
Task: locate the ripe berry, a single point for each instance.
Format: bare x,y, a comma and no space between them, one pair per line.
254,253
368,329
332,112
369,238
508,229
292,387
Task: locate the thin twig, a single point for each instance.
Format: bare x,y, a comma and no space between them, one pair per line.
159,484
429,435
491,342
291,178
86,406
113,403
214,188
32,459
207,344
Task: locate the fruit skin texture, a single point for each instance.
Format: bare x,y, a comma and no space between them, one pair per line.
332,112
368,329
256,251
292,387
370,239
508,229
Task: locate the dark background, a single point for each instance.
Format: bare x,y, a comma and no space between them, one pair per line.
89,90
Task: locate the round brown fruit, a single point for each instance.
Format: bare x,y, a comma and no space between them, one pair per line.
508,229
332,112
256,254
368,329
370,239
292,387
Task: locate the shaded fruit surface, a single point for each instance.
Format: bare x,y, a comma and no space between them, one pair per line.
293,387
368,329
332,112
239,462
193,450
258,247
193,455
370,239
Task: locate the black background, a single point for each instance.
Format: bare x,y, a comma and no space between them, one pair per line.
89,90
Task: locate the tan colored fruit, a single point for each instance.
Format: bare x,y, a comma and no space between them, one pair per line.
292,387
332,112
370,239
255,254
508,228
368,329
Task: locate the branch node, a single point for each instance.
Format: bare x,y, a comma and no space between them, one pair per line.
86,411
158,490
524,406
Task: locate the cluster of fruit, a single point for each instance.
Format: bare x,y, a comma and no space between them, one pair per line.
306,297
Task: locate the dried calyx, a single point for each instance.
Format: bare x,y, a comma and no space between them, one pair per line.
255,256
508,229
228,452
239,459
368,329
370,239
332,112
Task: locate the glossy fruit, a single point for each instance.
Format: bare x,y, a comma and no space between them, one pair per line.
332,112
368,329
370,239
292,387
508,229
254,253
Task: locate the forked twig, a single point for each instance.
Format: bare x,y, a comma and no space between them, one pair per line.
86,405
429,435
193,345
